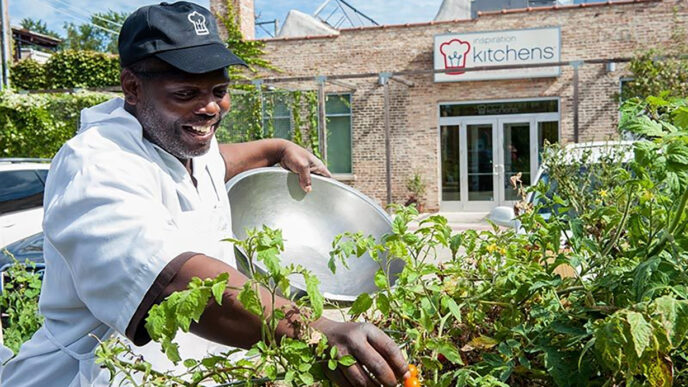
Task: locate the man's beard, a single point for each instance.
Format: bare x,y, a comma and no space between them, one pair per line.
167,136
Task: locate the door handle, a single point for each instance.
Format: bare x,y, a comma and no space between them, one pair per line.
497,168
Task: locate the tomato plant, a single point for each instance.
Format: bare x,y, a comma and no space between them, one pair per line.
19,303
592,291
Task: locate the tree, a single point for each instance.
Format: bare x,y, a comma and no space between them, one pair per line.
39,26
98,35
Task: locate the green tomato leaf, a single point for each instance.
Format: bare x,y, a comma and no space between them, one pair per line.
347,361
641,331
643,125
382,303
672,316
681,117
271,260
271,371
450,352
380,279
332,364
453,307
677,153
219,287
361,305
331,264
314,295
249,299
171,350
306,378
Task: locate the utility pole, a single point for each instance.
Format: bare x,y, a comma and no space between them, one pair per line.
6,31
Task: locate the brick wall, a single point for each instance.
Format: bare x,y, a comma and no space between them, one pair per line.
245,10
594,32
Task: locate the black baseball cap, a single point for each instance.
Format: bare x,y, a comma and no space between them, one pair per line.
182,34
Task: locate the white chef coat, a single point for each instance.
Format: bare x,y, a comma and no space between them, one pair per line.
118,209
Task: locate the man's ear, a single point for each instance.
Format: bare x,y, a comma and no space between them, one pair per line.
131,86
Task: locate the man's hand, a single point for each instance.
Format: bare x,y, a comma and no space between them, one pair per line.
267,152
303,163
378,358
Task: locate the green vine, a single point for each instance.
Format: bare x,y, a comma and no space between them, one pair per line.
313,135
268,115
297,120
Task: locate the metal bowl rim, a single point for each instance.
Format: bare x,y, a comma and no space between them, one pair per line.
234,180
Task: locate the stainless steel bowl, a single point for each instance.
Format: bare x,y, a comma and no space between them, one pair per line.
309,224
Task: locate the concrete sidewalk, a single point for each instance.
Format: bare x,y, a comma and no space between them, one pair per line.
459,221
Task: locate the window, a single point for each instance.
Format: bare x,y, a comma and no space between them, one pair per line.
338,115
281,116
499,108
624,89
20,190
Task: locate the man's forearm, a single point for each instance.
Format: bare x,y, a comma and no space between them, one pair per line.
230,323
254,154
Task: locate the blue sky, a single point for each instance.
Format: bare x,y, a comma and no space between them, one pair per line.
56,12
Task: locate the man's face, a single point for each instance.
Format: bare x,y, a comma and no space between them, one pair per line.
180,112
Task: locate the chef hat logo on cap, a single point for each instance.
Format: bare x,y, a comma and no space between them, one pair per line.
182,34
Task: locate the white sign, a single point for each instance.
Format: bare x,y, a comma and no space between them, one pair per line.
457,52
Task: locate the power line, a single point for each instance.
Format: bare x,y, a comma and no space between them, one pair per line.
76,10
78,18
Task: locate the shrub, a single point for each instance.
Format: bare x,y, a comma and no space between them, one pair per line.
28,75
36,125
71,68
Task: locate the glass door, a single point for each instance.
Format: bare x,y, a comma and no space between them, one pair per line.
451,163
515,157
480,162
468,149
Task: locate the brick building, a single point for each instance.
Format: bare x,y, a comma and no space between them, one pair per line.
468,137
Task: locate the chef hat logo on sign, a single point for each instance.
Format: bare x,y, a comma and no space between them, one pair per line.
198,22
454,53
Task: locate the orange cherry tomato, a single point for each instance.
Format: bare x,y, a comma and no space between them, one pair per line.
412,382
413,370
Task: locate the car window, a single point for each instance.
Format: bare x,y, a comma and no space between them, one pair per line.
20,190
43,174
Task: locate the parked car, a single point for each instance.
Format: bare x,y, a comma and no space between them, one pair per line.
22,183
593,151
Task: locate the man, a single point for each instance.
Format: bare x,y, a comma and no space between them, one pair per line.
135,207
